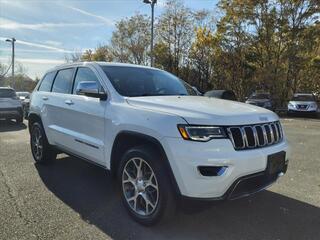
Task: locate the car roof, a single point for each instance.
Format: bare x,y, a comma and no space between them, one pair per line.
76,64
7,88
303,94
256,93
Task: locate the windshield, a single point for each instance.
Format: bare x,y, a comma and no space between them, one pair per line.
7,93
260,96
303,98
136,82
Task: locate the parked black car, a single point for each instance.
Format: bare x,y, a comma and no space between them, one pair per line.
261,100
10,105
222,94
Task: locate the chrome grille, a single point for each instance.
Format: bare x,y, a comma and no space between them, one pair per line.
255,136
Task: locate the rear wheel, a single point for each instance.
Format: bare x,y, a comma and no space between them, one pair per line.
41,150
144,186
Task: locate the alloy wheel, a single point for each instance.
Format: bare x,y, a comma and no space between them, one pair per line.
37,144
140,186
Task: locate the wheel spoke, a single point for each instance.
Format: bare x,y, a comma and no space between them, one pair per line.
130,178
138,166
150,184
148,202
132,182
133,198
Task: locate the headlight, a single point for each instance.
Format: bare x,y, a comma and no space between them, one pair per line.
313,105
200,133
290,105
267,104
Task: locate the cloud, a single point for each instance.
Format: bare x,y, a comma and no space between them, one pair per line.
38,45
44,46
37,60
8,24
8,49
15,4
40,60
53,43
107,21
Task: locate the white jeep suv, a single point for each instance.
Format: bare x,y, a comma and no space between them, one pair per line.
159,140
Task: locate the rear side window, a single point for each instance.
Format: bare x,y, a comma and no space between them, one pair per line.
63,81
47,82
84,74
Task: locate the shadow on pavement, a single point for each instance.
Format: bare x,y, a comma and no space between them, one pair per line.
89,191
10,126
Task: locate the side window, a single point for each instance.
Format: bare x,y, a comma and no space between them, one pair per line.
63,81
84,74
46,83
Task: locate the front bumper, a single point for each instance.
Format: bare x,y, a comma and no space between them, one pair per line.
300,111
247,167
11,112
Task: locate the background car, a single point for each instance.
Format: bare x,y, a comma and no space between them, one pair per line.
10,105
222,94
22,95
261,99
25,106
303,103
25,99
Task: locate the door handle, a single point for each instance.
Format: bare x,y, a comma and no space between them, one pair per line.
69,102
45,98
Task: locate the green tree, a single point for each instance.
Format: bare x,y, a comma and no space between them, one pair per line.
130,41
175,31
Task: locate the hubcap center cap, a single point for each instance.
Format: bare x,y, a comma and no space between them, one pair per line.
140,185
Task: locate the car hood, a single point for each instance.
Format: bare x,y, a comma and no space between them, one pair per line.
258,100
9,103
206,111
302,102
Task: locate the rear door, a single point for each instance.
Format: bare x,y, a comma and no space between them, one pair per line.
41,98
55,113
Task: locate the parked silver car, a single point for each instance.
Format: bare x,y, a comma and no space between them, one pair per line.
305,103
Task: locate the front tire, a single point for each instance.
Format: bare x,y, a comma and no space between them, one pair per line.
42,151
144,186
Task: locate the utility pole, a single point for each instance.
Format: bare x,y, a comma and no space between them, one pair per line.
12,40
152,3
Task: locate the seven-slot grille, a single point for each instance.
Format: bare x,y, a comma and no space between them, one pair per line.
255,136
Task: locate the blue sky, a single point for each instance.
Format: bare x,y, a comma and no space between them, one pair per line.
47,30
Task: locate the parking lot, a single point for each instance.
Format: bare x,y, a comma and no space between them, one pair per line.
71,199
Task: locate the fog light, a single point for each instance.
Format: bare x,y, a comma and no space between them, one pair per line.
210,171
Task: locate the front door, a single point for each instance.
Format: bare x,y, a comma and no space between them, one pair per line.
84,118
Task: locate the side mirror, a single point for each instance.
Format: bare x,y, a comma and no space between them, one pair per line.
90,89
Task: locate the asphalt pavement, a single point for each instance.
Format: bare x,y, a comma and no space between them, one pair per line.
72,199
